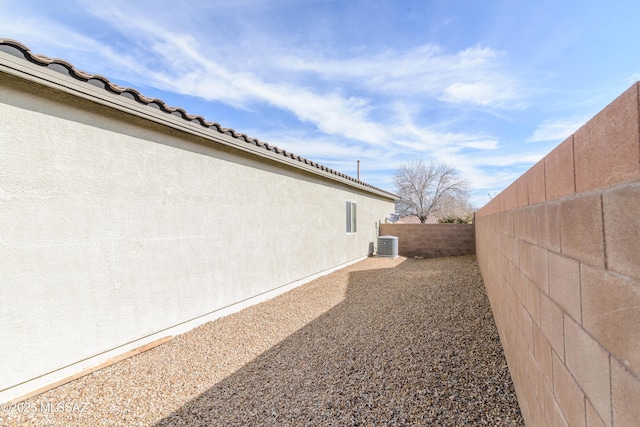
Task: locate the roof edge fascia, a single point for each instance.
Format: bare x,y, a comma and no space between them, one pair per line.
57,80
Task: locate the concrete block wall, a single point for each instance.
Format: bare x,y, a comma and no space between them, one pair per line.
559,252
431,240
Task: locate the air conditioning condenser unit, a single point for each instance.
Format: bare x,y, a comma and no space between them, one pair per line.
388,246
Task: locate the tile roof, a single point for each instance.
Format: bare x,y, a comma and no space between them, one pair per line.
19,50
413,219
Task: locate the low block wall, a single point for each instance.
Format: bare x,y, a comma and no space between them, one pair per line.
559,252
432,240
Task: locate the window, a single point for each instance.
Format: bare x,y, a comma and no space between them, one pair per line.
352,217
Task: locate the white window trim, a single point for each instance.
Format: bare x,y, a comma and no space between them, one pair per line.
352,217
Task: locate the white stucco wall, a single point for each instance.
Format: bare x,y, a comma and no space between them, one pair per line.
114,229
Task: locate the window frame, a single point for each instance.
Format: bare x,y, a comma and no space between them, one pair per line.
351,217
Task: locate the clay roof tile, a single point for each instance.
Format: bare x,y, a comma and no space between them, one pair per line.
17,49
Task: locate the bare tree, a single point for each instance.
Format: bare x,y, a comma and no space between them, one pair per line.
426,189
454,209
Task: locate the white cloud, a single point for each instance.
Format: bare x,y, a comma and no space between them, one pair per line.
368,105
506,160
477,93
556,130
184,63
481,144
21,29
476,75
317,146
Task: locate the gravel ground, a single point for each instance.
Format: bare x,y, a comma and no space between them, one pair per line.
384,342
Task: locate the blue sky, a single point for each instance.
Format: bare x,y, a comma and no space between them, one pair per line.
487,86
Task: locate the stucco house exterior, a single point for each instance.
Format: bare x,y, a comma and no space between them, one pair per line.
124,220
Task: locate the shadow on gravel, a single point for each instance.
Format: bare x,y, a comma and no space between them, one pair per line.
411,345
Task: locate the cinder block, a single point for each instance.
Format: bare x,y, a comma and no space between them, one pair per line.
508,223
536,400
510,248
540,268
501,201
551,409
510,336
564,284
522,185
532,300
496,205
537,379
521,355
503,263
581,229
543,354
569,396
588,362
625,396
622,229
593,419
551,324
516,280
611,314
541,421
607,148
526,327
525,224
559,172
548,226
512,292
510,196
537,192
